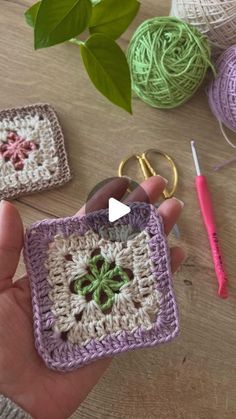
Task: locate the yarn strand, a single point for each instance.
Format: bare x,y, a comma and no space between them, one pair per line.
226,136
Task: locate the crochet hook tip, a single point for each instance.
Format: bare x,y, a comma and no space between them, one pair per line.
195,158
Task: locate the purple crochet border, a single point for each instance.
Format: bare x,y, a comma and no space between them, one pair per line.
66,356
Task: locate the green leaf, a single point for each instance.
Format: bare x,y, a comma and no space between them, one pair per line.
31,14
112,17
59,20
108,69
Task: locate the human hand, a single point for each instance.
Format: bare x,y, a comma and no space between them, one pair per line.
24,378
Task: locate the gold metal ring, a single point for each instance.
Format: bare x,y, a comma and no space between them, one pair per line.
148,170
167,193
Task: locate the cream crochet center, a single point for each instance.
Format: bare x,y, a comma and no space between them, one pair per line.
41,164
136,304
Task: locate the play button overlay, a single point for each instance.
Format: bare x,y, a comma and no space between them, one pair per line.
113,225
117,210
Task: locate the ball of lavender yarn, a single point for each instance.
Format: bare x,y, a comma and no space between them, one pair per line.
222,90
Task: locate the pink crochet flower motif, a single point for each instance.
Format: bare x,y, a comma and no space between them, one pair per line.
16,149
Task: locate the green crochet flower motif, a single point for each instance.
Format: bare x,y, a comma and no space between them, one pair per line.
102,282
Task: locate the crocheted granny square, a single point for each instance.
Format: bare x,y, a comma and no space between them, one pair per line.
95,295
32,152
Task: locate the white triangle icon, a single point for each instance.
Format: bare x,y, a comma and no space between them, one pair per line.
117,210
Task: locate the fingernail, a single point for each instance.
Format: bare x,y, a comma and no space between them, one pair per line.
178,200
127,177
2,202
163,178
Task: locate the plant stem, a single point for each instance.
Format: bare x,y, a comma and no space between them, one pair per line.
76,41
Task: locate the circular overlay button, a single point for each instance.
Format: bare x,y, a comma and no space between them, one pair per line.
120,219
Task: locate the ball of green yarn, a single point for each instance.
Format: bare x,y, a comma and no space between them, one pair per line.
168,61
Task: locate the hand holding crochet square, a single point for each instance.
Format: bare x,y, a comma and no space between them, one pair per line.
32,152
95,295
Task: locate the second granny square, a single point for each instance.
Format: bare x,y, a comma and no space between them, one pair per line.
32,151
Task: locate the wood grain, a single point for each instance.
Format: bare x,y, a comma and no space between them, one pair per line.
195,376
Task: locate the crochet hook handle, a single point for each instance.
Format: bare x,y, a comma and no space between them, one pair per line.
209,221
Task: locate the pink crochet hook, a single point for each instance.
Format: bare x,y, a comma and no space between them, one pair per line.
206,206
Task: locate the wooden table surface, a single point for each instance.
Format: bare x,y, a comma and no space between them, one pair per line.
195,376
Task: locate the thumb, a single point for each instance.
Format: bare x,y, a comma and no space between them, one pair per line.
11,242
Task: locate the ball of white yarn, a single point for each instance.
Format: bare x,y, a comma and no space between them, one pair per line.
215,18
